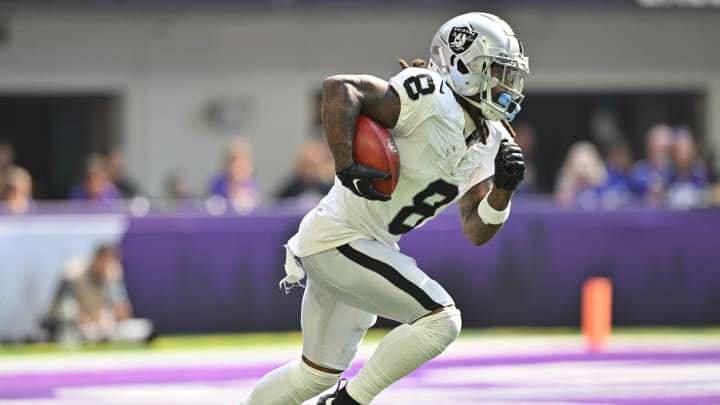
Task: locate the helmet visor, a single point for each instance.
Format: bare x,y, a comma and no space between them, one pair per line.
503,71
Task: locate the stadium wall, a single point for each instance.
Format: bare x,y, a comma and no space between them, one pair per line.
168,67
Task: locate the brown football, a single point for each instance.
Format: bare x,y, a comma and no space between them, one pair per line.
374,147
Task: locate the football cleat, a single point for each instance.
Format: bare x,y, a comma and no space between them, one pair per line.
339,397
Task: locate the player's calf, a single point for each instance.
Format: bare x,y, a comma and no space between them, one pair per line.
290,384
402,351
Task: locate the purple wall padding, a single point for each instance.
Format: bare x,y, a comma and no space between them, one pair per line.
220,274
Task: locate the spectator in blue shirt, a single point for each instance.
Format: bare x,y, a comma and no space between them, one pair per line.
651,176
617,191
688,178
96,184
236,182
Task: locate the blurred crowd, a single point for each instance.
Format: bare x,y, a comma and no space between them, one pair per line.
669,172
104,179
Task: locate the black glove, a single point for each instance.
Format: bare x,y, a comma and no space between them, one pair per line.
358,178
509,166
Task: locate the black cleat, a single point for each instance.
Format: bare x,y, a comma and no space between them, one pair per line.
330,398
339,397
327,399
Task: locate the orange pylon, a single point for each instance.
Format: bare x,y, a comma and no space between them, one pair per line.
597,312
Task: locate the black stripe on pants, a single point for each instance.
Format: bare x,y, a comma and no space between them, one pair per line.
390,274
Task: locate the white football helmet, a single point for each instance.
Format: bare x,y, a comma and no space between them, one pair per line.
475,52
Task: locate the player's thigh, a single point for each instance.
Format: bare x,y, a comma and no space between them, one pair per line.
378,279
332,330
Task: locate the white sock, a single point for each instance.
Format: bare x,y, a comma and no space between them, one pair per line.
290,384
402,351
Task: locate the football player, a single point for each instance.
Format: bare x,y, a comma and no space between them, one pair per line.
449,121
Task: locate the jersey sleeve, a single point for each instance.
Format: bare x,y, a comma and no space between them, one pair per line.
483,166
420,91
482,156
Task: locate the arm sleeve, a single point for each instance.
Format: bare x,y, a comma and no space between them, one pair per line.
419,91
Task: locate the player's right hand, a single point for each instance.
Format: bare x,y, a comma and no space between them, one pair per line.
509,166
358,178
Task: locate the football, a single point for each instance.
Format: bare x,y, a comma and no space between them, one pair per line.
374,147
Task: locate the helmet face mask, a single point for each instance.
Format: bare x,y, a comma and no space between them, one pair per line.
477,52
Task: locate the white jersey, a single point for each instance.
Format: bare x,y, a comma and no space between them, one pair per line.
436,168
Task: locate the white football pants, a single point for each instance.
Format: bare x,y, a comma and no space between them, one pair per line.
348,286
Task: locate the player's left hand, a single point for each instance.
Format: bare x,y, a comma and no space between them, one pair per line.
509,166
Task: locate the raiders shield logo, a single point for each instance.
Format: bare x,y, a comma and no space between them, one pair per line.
461,38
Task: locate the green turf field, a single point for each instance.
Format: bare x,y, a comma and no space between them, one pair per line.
285,339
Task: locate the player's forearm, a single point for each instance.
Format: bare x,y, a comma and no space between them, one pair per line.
486,207
340,109
477,231
499,198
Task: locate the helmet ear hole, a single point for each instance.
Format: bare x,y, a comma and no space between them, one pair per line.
461,67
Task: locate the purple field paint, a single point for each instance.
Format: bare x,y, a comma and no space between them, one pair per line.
43,384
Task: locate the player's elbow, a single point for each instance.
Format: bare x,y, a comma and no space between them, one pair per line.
330,82
333,84
475,237
480,235
478,241
340,90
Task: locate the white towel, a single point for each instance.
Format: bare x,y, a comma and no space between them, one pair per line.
293,271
